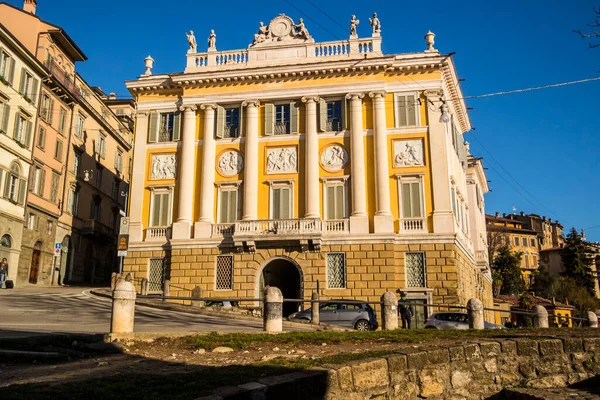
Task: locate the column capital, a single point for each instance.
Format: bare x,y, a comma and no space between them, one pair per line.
439,93
355,96
208,106
251,103
311,99
188,107
142,114
378,94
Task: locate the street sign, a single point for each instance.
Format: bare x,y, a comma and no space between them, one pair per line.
57,247
124,228
122,253
123,244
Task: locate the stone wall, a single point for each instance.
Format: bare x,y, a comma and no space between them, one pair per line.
470,371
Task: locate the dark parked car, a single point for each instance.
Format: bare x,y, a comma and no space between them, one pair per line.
453,320
349,315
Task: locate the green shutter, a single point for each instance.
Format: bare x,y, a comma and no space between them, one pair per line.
22,83
269,119
29,130
42,182
276,204
22,189
415,199
344,110
224,207
177,126
406,208
50,112
1,175
34,90
339,202
2,57
11,72
411,110
285,204
401,105
294,118
156,206
232,206
220,122
241,122
16,131
7,185
330,202
164,212
5,114
322,115
153,127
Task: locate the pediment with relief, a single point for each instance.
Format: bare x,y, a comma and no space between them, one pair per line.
281,30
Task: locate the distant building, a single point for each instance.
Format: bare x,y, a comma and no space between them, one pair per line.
559,314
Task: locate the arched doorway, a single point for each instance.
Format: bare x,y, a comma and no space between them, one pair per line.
34,271
285,275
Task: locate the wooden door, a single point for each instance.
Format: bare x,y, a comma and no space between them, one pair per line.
35,266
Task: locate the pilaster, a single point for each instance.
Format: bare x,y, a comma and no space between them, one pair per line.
312,159
136,207
359,221
203,228
250,205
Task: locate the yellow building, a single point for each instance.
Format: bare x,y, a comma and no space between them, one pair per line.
508,230
559,314
299,164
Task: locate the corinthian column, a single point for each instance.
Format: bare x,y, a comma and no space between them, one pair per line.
359,221
312,159
182,229
136,194
251,161
203,228
383,221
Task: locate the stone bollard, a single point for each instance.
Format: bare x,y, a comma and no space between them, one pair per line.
144,287
197,292
314,310
540,320
129,277
123,308
592,319
272,315
475,311
389,311
166,290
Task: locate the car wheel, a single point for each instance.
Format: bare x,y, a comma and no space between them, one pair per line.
362,325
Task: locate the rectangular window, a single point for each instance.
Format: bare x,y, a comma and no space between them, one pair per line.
232,123
336,271
158,270
37,183
62,120
76,162
73,201
45,108
334,116
58,150
281,201
79,124
282,119
224,272
406,110
32,222
49,227
7,68
532,242
228,205
101,146
335,200
165,130
54,187
415,269
411,199
22,125
27,85
14,187
160,209
41,139
516,240
119,160
99,173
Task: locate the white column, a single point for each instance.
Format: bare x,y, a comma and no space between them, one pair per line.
359,221
182,229
312,159
203,228
251,161
136,193
383,221
443,219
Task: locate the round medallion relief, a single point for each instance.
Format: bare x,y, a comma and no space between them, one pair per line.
230,163
334,158
280,26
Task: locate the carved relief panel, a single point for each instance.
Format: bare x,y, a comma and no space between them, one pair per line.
164,166
408,153
282,160
230,163
334,158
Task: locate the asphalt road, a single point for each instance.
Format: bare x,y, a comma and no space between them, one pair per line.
33,310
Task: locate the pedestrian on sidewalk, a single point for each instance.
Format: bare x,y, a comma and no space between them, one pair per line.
406,311
3,272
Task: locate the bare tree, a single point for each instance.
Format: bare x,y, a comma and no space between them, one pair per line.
593,34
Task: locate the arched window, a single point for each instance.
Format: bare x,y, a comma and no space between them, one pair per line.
14,188
6,241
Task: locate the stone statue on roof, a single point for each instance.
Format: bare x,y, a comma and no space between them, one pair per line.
353,24
191,42
262,35
212,40
301,30
375,24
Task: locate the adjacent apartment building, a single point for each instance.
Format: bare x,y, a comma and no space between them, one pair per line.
80,158
307,165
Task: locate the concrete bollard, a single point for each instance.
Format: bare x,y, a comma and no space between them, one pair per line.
166,290
540,320
273,313
314,310
389,311
592,319
475,311
144,287
123,308
197,292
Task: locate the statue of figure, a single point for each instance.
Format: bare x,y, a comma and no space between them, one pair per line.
191,41
301,30
375,23
212,40
262,35
353,24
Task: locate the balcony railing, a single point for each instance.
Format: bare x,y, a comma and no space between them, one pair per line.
281,128
158,233
481,256
231,131
68,81
334,125
335,226
225,229
279,227
413,225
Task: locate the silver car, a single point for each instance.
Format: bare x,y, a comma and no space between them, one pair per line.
337,312
453,320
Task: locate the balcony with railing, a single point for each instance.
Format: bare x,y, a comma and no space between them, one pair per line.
334,125
158,233
281,128
413,225
231,131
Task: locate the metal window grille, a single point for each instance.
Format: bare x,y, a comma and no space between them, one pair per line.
336,271
158,270
415,269
224,278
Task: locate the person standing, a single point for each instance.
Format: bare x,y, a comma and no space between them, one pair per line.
406,311
3,271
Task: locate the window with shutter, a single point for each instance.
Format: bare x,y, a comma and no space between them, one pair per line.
50,112
177,126
166,124
62,120
281,198
294,118
406,110
161,209
153,127
232,126
269,119
334,116
411,200
228,205
335,199
79,125
22,183
4,116
220,122
5,64
58,150
54,187
282,119
41,139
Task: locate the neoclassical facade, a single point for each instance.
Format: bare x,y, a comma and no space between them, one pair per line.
306,165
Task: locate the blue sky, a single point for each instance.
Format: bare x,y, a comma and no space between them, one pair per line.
547,140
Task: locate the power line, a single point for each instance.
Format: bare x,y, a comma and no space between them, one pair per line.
327,15
553,85
307,16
